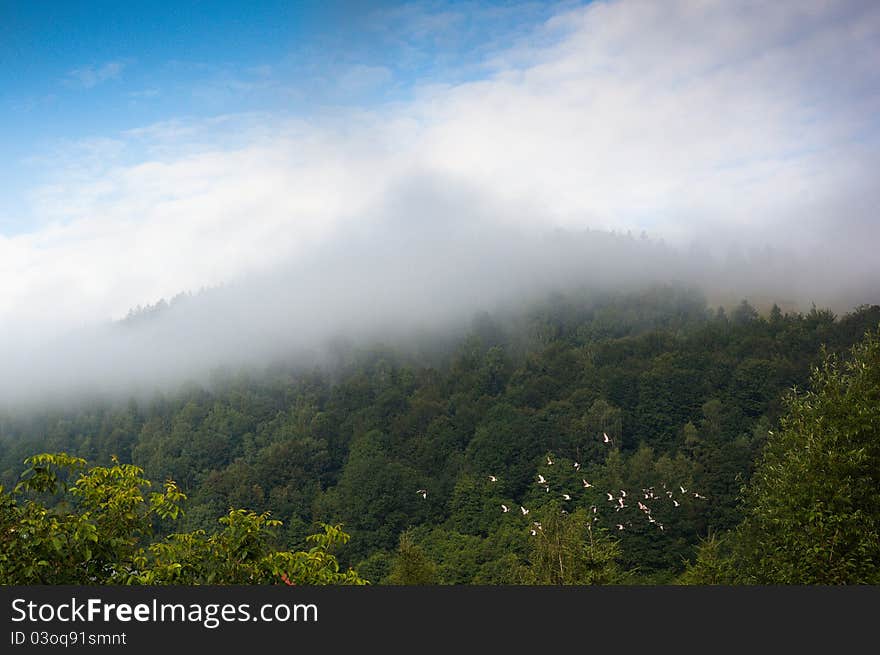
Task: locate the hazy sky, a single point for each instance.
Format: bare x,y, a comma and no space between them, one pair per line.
151,148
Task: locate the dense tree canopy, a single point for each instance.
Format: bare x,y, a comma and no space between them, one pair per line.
691,401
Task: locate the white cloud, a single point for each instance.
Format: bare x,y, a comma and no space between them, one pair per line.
726,122
144,94
363,79
88,77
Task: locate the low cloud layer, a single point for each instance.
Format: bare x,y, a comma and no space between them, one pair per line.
744,135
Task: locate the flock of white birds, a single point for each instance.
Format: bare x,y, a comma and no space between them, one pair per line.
618,501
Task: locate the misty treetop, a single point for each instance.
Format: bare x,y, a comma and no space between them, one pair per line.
415,287
594,438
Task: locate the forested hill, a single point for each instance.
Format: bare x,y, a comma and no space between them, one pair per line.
418,452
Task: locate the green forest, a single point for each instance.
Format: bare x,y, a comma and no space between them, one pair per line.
632,438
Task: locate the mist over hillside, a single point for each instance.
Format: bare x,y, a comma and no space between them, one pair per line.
402,283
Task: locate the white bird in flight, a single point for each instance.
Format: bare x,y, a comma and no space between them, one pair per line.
541,479
492,478
504,508
423,493
683,490
620,526
523,510
566,496
577,466
533,532
606,438
549,461
676,503
610,495
587,485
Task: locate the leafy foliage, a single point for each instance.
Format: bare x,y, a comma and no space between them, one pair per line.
411,566
813,504
103,535
567,550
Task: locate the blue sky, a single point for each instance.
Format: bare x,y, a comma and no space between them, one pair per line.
74,71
